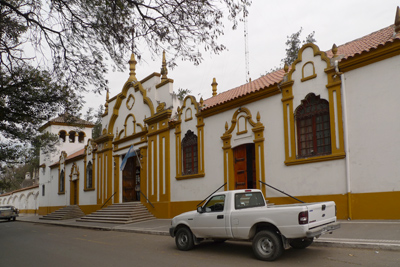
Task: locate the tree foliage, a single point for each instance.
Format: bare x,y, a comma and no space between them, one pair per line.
52,50
293,45
78,36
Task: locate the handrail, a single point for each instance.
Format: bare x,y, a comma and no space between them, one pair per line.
211,194
146,198
281,191
108,200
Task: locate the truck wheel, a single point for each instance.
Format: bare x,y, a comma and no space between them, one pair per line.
267,245
300,243
184,239
14,218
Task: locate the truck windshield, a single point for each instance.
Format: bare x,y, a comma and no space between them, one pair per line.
249,200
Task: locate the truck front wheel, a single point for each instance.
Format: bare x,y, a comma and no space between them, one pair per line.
184,239
300,243
267,245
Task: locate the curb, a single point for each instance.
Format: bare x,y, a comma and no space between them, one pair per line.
353,244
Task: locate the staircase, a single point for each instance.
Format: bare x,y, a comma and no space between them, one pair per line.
69,212
122,213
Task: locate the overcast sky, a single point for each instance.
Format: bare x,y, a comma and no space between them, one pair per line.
269,24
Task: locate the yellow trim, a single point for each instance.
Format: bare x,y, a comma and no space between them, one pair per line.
365,206
73,183
200,140
258,130
116,179
138,87
241,101
129,107
312,76
382,52
335,113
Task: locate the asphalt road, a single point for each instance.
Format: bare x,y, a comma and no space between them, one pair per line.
29,244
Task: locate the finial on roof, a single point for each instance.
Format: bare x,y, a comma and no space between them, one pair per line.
214,87
286,68
132,68
226,126
201,102
107,99
164,70
334,50
397,21
258,117
249,80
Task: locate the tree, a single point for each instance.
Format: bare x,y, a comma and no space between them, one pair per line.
293,45
50,51
182,93
96,119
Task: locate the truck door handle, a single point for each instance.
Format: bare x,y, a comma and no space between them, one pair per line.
220,216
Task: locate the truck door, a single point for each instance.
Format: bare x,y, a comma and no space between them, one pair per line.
211,223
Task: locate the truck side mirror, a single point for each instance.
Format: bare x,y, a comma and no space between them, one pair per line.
200,209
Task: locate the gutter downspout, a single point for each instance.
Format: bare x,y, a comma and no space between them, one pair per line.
346,139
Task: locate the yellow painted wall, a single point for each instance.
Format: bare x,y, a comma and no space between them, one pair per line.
366,206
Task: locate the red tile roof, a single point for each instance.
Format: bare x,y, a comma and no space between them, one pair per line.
348,50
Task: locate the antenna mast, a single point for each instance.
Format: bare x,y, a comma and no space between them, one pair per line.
246,44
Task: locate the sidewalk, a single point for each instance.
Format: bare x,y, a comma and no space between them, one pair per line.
378,235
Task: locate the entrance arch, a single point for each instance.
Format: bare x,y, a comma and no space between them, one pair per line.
244,159
131,180
253,170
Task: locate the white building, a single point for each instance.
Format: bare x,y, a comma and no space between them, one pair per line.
324,128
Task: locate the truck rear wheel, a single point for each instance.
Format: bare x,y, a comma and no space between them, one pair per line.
300,243
184,239
267,245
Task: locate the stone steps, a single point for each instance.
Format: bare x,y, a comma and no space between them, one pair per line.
121,213
68,212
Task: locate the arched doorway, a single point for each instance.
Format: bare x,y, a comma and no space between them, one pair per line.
131,180
245,166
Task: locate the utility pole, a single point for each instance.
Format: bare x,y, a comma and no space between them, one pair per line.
246,45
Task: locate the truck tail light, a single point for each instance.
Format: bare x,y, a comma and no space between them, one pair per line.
303,217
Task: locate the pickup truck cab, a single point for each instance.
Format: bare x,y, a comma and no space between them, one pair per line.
244,215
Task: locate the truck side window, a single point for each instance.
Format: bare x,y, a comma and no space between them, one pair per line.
215,204
248,200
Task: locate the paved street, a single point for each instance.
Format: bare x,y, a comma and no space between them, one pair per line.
31,244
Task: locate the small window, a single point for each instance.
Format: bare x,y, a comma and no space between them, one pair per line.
89,173
313,127
62,135
81,137
43,189
189,153
215,204
72,136
249,200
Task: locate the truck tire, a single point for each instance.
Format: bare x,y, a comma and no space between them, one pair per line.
267,245
300,243
184,239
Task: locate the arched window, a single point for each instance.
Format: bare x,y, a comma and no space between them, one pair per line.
313,127
62,135
89,175
81,137
61,182
189,153
72,136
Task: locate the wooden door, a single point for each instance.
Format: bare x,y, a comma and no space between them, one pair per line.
240,167
128,181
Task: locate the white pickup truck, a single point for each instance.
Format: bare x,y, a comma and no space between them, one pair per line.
244,215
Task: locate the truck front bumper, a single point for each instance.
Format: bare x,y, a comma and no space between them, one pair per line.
172,231
316,232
